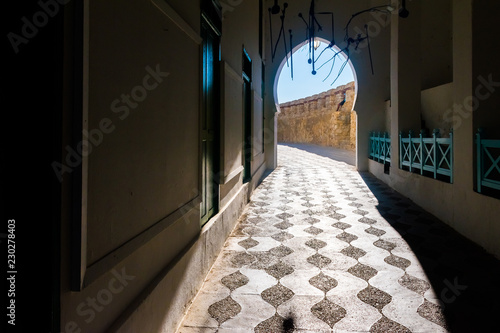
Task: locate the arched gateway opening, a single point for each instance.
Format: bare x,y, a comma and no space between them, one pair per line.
315,99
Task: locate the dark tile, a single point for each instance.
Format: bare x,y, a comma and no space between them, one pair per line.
383,244
251,231
280,251
273,324
282,236
242,259
397,261
319,260
235,280
328,312
432,312
263,260
311,220
276,295
375,297
341,225
347,237
415,284
284,216
248,243
283,225
323,282
360,212
367,220
316,244
313,230
279,270
375,231
224,309
337,216
385,325
363,271
353,252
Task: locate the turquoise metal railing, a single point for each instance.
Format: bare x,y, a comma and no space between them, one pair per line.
380,147
488,162
434,154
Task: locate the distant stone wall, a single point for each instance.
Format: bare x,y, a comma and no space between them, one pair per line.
315,119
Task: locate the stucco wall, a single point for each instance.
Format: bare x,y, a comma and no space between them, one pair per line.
437,104
143,246
473,215
315,119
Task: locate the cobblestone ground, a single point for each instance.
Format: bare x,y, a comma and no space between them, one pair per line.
323,248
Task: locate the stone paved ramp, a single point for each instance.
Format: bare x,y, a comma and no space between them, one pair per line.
323,248
340,155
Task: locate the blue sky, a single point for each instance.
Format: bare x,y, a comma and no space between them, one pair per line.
305,84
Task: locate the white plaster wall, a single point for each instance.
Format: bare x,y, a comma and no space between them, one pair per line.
486,67
473,215
436,42
133,176
232,119
436,103
240,31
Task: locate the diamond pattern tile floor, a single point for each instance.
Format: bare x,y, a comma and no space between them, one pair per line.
324,248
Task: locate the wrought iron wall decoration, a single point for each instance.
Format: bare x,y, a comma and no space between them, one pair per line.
313,26
276,9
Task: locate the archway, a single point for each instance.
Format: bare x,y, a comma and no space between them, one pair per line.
316,109
289,62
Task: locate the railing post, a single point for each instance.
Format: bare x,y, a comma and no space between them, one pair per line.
385,148
374,143
479,159
422,132
451,156
401,150
370,147
411,150
378,146
380,152
389,147
435,134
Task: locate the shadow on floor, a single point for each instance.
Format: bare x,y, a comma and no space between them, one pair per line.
464,277
340,155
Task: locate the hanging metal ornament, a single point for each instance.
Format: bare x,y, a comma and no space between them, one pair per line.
313,26
272,11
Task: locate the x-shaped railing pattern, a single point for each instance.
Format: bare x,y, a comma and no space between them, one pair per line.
380,147
434,154
488,161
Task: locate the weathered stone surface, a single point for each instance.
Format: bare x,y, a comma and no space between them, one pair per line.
320,119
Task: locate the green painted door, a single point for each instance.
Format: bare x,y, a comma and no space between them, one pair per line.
247,116
209,123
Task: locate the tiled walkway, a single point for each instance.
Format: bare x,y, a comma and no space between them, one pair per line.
323,248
